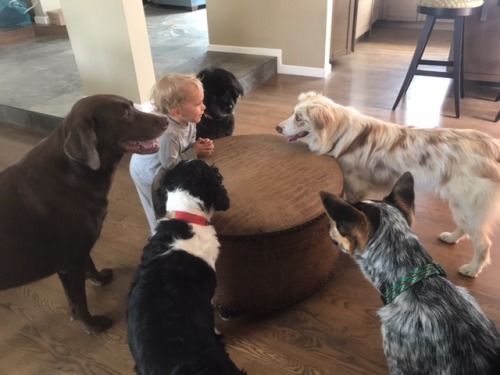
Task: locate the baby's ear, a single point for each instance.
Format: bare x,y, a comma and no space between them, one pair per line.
176,111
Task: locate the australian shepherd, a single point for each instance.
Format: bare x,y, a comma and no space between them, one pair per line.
170,318
429,325
461,166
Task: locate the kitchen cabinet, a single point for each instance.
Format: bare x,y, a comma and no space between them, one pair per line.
341,39
401,10
363,17
377,10
482,44
368,12
352,19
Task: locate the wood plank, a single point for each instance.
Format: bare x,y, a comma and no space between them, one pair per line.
336,331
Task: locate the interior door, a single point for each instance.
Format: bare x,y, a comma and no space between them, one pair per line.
343,27
482,44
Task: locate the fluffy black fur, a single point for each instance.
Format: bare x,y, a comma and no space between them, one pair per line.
222,91
197,178
170,319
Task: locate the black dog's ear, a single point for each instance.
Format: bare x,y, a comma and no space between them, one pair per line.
238,88
402,196
205,182
159,193
201,74
166,180
196,177
217,190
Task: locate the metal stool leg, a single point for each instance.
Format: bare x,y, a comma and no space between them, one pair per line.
498,114
462,92
419,51
458,35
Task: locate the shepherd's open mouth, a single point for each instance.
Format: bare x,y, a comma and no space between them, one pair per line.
293,138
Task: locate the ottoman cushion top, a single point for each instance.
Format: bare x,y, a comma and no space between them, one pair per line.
273,185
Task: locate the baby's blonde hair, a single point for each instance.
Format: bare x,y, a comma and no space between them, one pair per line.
170,91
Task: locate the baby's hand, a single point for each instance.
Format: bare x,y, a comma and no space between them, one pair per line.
204,147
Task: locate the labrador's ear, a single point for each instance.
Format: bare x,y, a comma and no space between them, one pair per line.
80,144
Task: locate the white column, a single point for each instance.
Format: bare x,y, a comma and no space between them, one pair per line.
110,43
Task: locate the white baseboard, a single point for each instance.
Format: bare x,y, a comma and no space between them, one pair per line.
282,69
306,71
247,50
42,20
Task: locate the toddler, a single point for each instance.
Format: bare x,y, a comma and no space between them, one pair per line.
180,97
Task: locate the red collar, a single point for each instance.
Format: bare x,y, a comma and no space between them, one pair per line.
190,218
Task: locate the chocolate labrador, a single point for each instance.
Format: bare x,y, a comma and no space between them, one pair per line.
54,201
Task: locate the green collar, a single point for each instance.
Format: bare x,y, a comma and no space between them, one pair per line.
406,282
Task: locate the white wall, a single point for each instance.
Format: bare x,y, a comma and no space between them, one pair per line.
297,32
41,9
111,46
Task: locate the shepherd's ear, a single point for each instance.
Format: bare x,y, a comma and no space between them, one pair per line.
321,115
80,144
402,196
351,223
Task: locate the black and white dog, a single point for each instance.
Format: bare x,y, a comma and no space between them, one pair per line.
222,90
170,319
429,325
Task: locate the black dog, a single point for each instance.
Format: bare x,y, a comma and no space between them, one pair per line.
170,318
222,91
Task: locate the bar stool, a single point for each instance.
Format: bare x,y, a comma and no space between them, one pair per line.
498,114
442,9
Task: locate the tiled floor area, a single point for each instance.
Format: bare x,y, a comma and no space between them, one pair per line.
39,78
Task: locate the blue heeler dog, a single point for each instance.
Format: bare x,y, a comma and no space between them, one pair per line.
429,325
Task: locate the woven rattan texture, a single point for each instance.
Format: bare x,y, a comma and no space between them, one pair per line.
275,248
273,185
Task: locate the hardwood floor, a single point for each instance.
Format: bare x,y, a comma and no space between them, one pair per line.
337,330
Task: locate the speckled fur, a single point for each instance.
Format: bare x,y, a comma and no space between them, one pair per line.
461,166
434,327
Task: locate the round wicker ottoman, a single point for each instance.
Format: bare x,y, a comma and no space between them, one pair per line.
275,247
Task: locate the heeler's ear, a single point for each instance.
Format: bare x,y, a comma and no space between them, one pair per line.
402,196
351,223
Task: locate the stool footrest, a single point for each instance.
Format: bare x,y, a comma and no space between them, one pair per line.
431,73
436,62
456,61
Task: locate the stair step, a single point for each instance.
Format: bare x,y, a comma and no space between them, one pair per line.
250,70
42,81
16,35
51,30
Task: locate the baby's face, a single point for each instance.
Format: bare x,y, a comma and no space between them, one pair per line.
192,108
